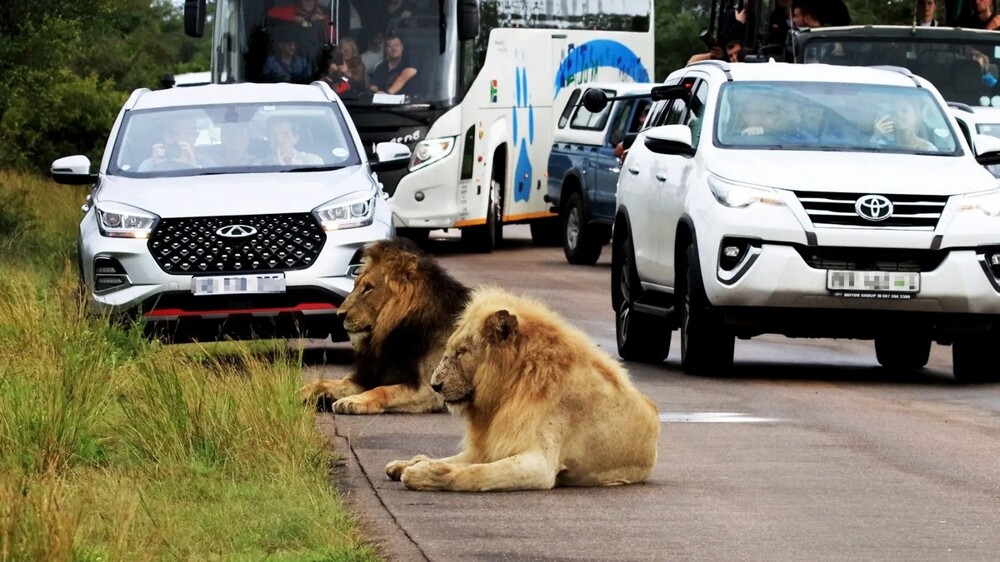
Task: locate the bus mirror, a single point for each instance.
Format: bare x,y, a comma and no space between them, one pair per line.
468,22
194,17
595,100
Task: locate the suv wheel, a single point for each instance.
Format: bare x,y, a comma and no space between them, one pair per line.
641,337
485,237
903,352
706,342
581,244
972,358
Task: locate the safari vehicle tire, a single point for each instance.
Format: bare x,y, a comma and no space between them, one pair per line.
903,352
419,236
973,358
581,243
706,342
484,238
546,232
641,337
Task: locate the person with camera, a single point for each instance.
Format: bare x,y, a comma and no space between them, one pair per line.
177,149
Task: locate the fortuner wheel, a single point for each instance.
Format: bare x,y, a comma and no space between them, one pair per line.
641,337
581,244
903,352
972,358
706,342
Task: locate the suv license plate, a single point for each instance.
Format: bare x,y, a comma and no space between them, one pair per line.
238,284
873,284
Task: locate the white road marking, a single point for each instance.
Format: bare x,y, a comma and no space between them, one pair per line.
713,417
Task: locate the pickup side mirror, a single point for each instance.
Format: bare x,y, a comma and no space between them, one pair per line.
73,170
670,139
595,100
987,150
390,156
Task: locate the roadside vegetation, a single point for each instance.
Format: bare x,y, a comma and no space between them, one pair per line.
115,448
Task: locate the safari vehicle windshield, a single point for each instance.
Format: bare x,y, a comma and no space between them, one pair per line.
232,138
962,69
833,117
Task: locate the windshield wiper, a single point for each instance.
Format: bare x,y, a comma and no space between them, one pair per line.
313,169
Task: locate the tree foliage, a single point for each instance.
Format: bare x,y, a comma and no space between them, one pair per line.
66,67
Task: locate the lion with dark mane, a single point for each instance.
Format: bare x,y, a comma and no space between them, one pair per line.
398,317
543,406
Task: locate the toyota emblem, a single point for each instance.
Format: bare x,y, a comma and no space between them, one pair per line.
238,231
874,208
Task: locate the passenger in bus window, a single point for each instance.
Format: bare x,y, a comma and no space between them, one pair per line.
286,65
373,56
304,13
352,66
398,12
395,74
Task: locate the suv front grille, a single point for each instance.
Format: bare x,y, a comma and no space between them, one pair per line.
276,243
836,210
871,259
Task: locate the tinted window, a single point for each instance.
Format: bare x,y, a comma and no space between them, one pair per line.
568,110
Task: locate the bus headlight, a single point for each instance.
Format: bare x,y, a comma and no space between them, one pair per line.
428,151
116,220
353,210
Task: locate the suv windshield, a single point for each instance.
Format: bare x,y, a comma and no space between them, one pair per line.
833,116
962,70
236,138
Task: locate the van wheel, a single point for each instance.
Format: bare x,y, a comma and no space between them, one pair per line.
903,352
972,358
484,238
706,342
581,244
641,337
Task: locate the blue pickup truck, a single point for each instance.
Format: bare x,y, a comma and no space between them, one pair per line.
583,166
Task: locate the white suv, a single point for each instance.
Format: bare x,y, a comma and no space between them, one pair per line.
810,201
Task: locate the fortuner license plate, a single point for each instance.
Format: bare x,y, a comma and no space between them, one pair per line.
873,284
238,284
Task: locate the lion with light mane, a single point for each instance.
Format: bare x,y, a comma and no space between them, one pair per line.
543,406
398,317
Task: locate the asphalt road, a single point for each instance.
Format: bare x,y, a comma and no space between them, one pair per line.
808,450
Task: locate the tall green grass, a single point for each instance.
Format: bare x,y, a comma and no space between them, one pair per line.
116,448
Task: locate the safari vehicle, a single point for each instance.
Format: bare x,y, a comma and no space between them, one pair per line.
978,121
230,211
583,164
763,199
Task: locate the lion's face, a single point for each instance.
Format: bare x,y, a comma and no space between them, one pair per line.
467,349
361,308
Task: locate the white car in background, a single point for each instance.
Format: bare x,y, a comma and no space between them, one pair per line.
811,201
974,121
230,211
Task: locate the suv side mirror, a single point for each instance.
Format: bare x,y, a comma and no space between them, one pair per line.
629,140
670,139
987,150
194,17
390,156
73,170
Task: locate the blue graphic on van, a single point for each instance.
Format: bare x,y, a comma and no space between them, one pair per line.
583,61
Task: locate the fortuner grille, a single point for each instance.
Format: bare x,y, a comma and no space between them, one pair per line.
871,259
274,243
836,210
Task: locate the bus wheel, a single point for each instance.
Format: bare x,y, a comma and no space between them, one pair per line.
485,237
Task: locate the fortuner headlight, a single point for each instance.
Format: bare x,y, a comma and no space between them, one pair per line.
988,203
738,195
117,220
353,210
428,151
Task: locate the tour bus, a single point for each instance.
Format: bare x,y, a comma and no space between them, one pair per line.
478,115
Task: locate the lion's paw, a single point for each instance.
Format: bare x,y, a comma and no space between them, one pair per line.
426,476
325,392
394,470
354,405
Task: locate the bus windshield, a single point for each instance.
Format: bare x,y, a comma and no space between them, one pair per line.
365,52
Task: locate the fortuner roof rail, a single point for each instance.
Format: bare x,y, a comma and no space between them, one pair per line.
720,64
899,69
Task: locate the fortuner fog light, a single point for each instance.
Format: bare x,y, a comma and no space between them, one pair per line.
739,195
988,203
428,151
350,211
117,220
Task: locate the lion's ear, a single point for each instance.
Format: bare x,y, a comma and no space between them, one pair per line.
500,325
409,265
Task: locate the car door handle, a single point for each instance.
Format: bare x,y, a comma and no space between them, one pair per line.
634,170
615,169
661,177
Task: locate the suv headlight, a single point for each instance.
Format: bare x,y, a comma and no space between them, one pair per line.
353,210
988,203
428,151
738,195
117,220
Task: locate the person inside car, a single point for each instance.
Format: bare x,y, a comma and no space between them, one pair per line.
177,149
283,137
900,130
